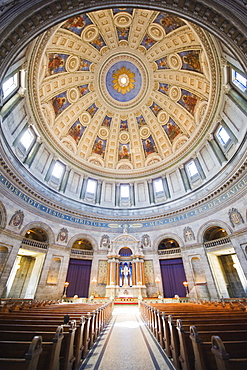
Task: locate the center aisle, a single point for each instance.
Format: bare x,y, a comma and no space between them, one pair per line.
126,344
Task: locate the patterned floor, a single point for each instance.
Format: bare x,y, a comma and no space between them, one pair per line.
126,344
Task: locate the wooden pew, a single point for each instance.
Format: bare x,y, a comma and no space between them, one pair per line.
58,352
77,340
175,339
229,355
20,355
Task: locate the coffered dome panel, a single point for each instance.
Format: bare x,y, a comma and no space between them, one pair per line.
124,89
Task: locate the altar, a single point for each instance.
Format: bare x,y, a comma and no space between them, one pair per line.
125,273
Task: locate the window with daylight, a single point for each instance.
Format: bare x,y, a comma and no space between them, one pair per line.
224,138
57,171
124,191
26,140
91,186
239,80
10,85
158,186
192,170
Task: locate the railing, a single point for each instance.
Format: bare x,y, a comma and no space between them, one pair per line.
34,243
81,252
214,243
169,251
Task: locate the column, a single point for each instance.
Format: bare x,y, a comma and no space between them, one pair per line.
151,191
166,188
99,190
216,149
184,178
142,273
132,195
64,181
117,194
33,152
108,273
133,273
83,188
117,273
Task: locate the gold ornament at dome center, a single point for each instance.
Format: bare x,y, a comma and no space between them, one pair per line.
123,80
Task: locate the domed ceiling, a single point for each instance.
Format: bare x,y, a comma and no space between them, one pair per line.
124,91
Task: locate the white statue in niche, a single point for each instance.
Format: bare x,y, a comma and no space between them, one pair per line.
126,274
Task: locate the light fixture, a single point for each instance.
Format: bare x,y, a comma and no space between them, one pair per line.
185,284
66,284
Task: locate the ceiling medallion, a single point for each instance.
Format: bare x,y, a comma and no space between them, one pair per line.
144,132
90,33
123,19
156,31
85,118
103,133
73,95
124,137
72,63
162,117
123,80
175,93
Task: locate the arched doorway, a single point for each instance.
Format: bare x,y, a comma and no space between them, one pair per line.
79,270
172,269
227,271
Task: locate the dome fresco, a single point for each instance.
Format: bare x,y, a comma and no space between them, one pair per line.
130,90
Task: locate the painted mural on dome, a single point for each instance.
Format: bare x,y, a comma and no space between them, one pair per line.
147,42
77,24
169,22
163,88
162,63
155,108
98,43
99,147
123,33
172,130
141,121
92,109
191,60
188,101
124,152
76,131
84,65
59,103
120,98
124,125
83,90
107,121
149,146
56,63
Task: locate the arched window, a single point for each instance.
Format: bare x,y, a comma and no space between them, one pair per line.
214,233
37,234
168,244
83,244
